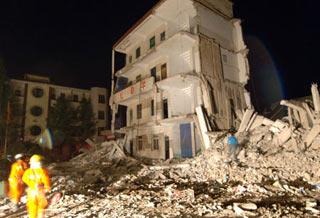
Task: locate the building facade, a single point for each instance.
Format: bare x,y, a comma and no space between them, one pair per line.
36,94
181,55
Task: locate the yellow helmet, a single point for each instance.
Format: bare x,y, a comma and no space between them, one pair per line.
36,158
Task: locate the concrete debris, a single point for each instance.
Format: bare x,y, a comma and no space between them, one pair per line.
274,177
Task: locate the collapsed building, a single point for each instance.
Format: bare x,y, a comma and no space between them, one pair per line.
185,66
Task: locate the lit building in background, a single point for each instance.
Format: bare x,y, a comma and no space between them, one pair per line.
36,94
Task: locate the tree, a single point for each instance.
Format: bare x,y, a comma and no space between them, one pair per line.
86,121
4,100
61,120
10,111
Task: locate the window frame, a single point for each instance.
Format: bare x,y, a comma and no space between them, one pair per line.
152,107
139,111
155,146
100,115
152,42
138,52
139,143
163,36
101,99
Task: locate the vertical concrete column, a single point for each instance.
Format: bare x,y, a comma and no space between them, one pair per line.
315,97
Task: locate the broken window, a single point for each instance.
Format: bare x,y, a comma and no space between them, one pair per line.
152,107
152,42
155,143
163,71
140,143
138,52
163,36
139,111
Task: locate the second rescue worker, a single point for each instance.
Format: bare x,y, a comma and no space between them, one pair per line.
38,181
16,186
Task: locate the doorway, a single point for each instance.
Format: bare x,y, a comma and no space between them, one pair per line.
167,147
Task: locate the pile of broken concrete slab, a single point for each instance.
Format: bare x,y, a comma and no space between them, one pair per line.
277,175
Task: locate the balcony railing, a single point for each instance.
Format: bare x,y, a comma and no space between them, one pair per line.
135,89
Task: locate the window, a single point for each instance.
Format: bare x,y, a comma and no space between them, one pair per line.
37,92
224,58
165,109
152,107
130,116
140,143
130,59
53,96
75,98
100,129
138,78
139,111
155,143
138,52
36,111
163,71
62,95
163,36
152,42
102,99
101,115
35,130
17,92
153,73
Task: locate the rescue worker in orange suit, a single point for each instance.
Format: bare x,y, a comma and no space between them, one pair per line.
16,186
38,181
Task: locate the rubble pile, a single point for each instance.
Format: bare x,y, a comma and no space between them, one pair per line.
277,175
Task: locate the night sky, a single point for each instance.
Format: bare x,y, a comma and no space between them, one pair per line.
71,41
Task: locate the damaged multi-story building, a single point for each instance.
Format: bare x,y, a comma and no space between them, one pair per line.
182,55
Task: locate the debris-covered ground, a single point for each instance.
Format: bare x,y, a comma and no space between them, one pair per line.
269,181
277,175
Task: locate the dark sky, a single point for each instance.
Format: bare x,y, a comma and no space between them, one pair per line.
71,40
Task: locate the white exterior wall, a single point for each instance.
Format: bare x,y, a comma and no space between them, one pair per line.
227,33
27,100
183,21
96,106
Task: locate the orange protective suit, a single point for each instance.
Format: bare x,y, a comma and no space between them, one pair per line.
16,186
38,182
